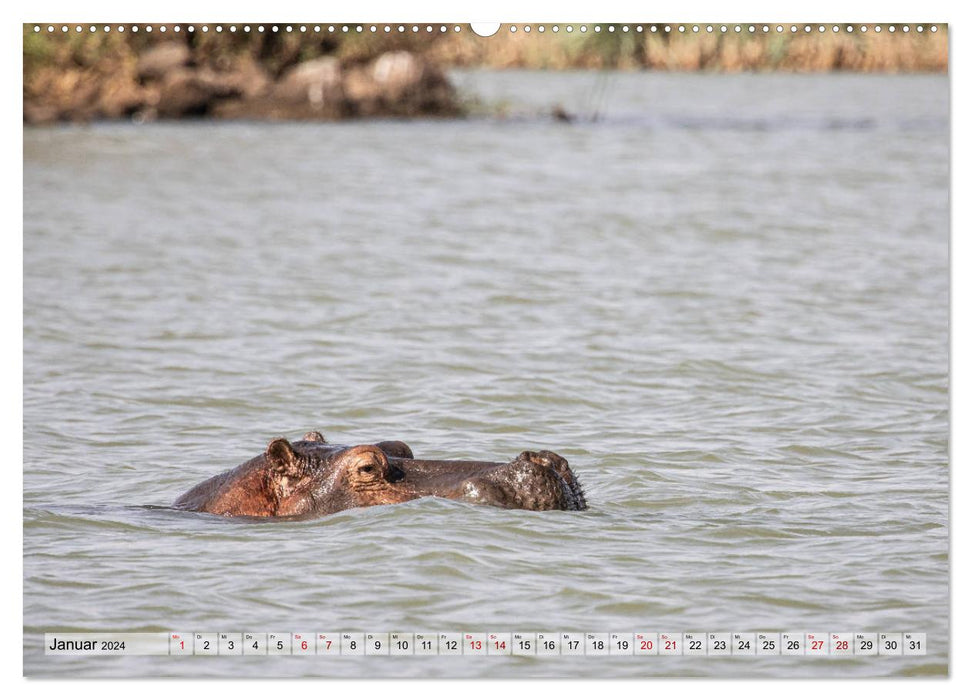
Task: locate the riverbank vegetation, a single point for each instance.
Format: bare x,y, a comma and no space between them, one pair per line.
80,73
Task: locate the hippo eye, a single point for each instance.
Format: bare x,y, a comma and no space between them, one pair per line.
367,469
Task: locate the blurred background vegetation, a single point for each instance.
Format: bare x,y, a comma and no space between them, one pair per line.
730,51
84,73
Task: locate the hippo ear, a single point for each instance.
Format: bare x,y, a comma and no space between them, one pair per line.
314,436
280,455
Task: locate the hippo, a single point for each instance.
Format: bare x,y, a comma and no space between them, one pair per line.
312,477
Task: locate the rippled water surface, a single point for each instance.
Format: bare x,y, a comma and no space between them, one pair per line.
724,301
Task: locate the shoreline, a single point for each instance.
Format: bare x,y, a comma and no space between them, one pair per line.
322,76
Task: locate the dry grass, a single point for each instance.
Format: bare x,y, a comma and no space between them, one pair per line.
884,52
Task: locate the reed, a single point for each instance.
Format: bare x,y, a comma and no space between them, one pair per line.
730,52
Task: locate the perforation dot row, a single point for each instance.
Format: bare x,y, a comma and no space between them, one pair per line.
429,28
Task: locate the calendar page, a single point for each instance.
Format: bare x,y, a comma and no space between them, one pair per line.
513,350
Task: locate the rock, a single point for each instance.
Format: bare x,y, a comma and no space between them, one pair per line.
36,114
399,83
387,79
250,79
220,84
187,92
362,91
160,60
396,83
120,98
183,95
173,80
317,82
397,72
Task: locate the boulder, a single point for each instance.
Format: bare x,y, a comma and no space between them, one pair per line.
187,92
182,94
317,82
397,72
159,61
120,98
399,83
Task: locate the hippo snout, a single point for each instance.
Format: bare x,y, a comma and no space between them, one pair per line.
534,481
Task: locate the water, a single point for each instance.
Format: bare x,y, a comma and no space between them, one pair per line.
725,302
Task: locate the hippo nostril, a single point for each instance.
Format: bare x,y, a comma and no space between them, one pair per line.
395,473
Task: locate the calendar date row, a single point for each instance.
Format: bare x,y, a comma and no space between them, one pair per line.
489,644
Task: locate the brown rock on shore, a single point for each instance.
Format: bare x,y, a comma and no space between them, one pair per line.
160,60
168,81
317,84
397,83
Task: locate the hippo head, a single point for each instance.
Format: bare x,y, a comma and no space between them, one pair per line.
313,477
312,481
